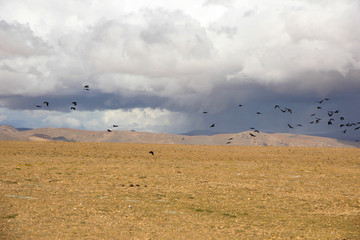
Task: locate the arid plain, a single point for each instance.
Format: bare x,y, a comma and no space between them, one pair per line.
64,190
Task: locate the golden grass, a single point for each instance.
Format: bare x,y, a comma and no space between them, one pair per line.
118,191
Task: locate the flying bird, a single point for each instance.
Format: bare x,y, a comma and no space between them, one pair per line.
86,87
212,125
288,110
342,118
277,106
38,106
151,152
240,105
290,126
109,130
252,135
74,103
204,112
115,125
258,112
312,114
73,108
46,103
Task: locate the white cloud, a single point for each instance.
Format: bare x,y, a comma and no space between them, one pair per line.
181,51
3,118
140,119
146,119
18,40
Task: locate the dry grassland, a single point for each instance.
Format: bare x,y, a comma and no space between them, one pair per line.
54,190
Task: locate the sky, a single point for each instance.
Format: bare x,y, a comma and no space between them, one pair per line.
156,66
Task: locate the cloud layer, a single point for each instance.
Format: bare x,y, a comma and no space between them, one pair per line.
169,57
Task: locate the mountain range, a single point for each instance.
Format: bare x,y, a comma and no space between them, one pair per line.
9,133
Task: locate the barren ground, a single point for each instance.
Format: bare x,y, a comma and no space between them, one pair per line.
56,190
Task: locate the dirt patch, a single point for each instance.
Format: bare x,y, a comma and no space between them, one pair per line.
58,190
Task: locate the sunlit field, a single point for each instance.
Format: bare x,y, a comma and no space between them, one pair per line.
55,190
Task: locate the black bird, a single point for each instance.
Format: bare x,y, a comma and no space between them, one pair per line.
283,110
240,105
115,125
357,128
327,99
46,103
204,112
277,106
38,106
230,138
86,87
109,130
318,107
151,152
288,110
330,113
73,108
299,125
342,125
228,142
329,123
252,128
320,101
344,131
74,103
258,112
342,118
337,111
212,125
290,126
312,114
257,131
252,135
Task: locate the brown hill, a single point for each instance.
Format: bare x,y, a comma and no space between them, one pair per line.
8,133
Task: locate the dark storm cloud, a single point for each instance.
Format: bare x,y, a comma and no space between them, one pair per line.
85,102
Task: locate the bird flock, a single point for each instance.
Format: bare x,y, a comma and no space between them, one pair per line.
73,104
333,116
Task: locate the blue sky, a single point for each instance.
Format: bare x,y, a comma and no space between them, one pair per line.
158,65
